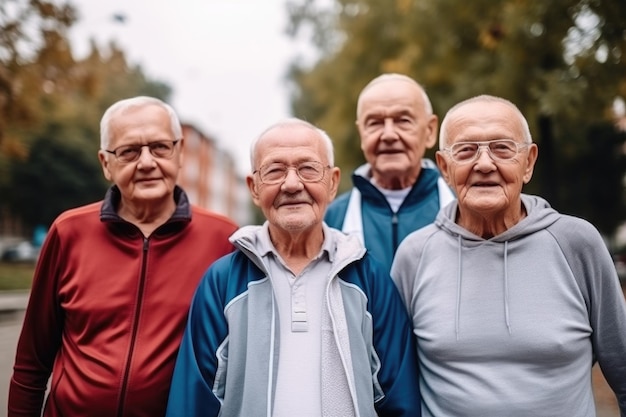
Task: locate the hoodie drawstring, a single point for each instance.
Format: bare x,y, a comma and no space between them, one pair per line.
459,274
459,279
506,286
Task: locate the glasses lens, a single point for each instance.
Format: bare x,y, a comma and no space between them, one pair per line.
310,171
127,153
161,149
463,151
273,173
503,149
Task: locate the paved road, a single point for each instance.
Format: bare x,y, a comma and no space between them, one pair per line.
10,325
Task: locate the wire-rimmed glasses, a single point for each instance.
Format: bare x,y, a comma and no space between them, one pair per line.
276,173
499,150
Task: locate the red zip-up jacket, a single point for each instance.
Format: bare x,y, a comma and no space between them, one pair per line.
107,310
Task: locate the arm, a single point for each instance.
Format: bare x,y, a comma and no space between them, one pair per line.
395,344
595,272
192,389
40,337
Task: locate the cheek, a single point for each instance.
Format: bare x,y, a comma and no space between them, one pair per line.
459,175
368,144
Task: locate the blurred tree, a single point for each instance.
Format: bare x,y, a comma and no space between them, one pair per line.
27,30
50,109
562,62
55,176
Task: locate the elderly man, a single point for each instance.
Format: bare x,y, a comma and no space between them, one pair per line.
511,301
397,191
114,280
299,321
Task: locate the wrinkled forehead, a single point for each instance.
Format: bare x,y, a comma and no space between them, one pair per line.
288,143
390,92
483,121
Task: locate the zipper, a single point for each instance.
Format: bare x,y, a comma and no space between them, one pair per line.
394,233
131,349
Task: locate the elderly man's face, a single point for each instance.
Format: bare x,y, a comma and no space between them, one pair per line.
293,206
149,179
395,131
486,186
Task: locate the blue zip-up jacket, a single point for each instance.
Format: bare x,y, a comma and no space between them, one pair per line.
227,363
383,230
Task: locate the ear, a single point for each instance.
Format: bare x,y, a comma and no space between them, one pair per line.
181,152
432,129
442,163
104,162
254,192
531,159
335,178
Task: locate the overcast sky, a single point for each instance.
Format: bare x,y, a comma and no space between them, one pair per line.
225,59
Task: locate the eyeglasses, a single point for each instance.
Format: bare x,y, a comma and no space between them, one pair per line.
276,173
131,153
499,150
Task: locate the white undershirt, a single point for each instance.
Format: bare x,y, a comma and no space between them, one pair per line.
395,198
300,301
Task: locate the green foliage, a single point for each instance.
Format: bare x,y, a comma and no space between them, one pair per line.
563,63
16,276
50,109
57,175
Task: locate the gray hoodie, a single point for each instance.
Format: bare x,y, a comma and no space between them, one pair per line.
511,326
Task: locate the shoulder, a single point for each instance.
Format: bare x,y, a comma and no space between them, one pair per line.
78,215
574,231
412,247
200,214
419,237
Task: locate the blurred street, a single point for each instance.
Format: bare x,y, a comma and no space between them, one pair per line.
10,325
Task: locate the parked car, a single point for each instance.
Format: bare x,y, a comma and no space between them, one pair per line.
23,251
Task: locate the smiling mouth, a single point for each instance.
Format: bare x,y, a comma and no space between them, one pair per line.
293,203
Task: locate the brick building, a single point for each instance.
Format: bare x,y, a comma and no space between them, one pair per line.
210,177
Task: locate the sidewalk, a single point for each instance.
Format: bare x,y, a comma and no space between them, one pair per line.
13,300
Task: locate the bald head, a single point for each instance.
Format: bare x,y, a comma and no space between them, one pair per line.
395,77
293,121
484,98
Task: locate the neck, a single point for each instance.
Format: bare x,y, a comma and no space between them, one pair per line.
389,182
488,225
149,216
297,249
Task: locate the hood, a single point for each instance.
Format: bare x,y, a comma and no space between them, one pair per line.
254,242
539,216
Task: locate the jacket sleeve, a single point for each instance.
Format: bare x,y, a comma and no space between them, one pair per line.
597,278
193,392
40,337
395,344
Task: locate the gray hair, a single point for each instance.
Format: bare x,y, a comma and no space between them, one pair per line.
294,121
399,77
120,107
483,98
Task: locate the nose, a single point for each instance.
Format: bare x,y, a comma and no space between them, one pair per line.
483,160
144,155
292,180
389,129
